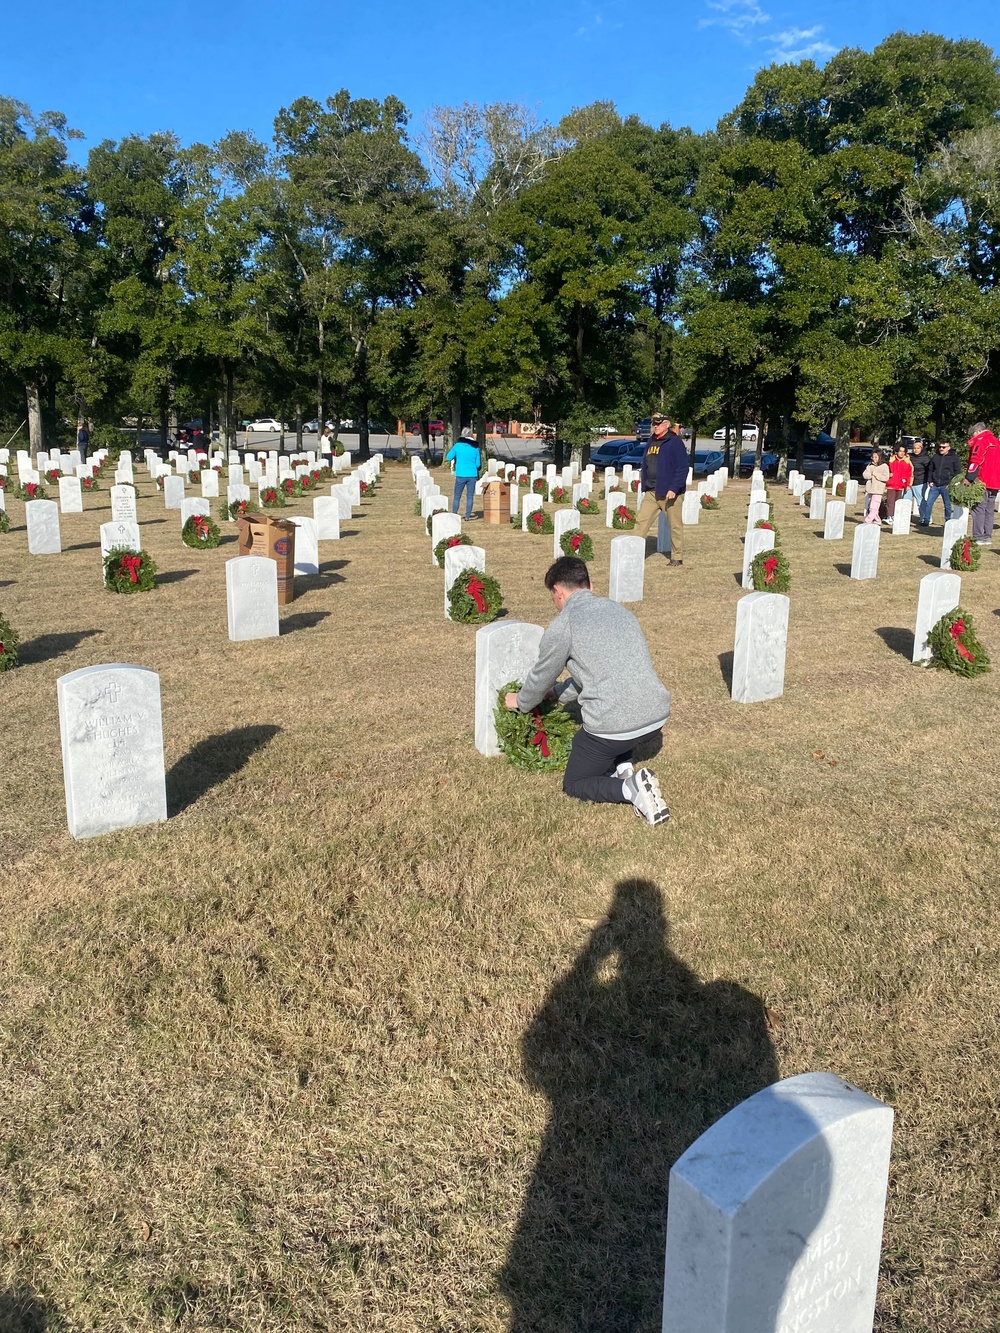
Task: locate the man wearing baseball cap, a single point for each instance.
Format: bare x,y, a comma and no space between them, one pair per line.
664,481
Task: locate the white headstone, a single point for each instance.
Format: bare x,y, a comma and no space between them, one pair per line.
756,540
612,501
70,495
759,654
236,492
209,483
456,560
112,748
173,492
505,651
432,504
833,528
628,564
817,503
343,500
563,521
326,516
835,481
194,505
774,1223
444,524
43,527
961,517
805,492
123,507
690,508
121,535
252,597
851,492
514,501
306,545
352,486
529,503
901,518
757,511
939,594
864,554
954,529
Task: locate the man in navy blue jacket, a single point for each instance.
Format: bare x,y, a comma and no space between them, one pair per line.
664,481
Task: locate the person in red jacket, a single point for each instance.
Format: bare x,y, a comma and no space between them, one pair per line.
984,466
900,478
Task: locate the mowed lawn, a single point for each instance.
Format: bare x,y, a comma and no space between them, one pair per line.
375,1034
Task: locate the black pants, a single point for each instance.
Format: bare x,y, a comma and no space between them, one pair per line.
589,762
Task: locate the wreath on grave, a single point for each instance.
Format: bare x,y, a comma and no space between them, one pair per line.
768,526
272,498
52,474
366,488
954,645
539,486
446,543
3,483
965,492
90,483
770,572
307,481
623,518
577,543
338,450
430,519
965,555
31,490
709,501
559,495
840,490
201,531
239,508
129,571
633,487
9,642
4,521
587,506
474,598
539,741
539,522
291,487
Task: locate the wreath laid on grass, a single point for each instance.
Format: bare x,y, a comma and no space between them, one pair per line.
623,518
539,486
539,741
290,488
560,494
446,543
709,502
539,522
3,483
965,555
474,598
768,526
272,498
239,508
588,506
90,483
307,481
9,642
954,645
967,493
129,571
631,487
840,490
366,488
52,474
770,572
31,490
4,521
577,543
201,531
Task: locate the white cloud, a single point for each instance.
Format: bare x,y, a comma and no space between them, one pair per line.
796,44
737,16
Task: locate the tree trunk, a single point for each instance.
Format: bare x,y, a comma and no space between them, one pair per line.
298,428
841,432
728,458
738,451
36,435
694,444
800,451
230,435
453,425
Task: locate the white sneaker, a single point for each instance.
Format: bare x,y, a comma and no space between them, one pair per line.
624,770
643,790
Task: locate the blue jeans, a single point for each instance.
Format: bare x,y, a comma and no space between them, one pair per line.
467,484
931,494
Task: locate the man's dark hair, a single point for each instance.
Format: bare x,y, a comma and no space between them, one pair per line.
569,571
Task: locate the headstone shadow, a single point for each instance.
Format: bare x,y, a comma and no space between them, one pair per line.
21,1311
844,569
899,640
175,575
726,667
212,761
933,560
47,646
84,546
302,620
637,1057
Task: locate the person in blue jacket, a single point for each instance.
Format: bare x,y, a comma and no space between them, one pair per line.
664,481
465,454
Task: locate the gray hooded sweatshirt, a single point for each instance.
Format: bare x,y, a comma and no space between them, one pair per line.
604,649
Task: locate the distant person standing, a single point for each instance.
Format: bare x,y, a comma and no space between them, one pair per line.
984,466
82,440
876,476
943,468
664,481
919,459
465,455
900,478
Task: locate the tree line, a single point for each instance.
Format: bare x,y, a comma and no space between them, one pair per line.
827,257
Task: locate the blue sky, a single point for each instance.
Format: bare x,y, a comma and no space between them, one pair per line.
202,67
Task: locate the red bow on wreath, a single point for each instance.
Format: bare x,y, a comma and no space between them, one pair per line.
475,590
966,553
770,568
575,540
957,630
130,565
622,512
540,738
200,524
454,541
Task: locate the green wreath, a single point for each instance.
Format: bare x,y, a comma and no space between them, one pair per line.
240,507
338,450
539,521
587,506
770,572
526,737
769,526
52,474
90,483
840,490
272,498
965,555
954,645
623,518
456,539
474,598
9,643
4,521
540,486
560,494
430,519
126,570
201,531
967,493
577,543
290,488
31,490
709,501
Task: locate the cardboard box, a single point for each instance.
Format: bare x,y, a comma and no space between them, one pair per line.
260,534
496,500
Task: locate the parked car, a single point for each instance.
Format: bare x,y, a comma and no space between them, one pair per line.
267,425
616,453
768,463
750,432
708,460
607,430
643,429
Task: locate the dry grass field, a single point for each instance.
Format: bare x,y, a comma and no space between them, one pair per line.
374,1034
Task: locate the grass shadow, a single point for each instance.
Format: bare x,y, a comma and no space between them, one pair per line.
47,646
637,1057
212,761
302,620
899,640
21,1311
174,575
726,667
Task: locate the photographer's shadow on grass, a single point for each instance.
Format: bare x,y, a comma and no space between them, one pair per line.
637,1058
22,1311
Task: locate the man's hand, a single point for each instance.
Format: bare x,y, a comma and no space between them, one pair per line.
670,495
510,699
